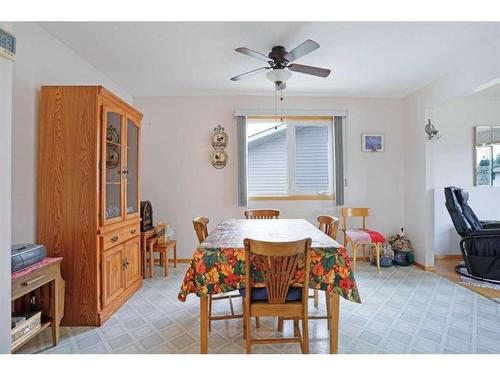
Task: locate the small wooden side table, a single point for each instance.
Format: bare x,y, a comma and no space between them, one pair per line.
43,278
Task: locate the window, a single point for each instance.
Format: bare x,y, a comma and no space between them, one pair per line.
291,159
487,155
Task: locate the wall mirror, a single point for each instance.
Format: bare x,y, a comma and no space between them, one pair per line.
487,155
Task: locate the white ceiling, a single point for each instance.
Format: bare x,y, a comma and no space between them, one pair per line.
490,93
383,59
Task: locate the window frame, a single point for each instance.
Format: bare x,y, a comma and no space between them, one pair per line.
291,123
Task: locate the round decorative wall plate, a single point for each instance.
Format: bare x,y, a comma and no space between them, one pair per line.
219,159
112,135
219,138
112,158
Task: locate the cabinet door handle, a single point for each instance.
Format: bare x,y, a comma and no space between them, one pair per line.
132,231
114,238
32,281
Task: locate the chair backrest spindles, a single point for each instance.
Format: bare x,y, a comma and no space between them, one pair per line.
329,225
262,214
279,263
200,225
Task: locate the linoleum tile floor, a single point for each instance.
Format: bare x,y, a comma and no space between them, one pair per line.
403,310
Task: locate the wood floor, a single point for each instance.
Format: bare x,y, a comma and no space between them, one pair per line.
446,268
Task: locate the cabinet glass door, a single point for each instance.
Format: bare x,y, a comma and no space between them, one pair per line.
113,166
132,169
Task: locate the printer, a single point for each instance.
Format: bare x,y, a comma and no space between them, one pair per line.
25,255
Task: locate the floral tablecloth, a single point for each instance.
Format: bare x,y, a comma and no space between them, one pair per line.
218,264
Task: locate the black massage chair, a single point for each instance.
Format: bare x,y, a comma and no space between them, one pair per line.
480,243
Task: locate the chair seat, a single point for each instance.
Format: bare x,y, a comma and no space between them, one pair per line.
364,236
167,245
260,294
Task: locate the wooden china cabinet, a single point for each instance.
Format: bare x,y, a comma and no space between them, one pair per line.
88,197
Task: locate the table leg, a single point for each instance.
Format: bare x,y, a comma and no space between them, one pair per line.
143,258
175,254
165,262
55,309
144,261
203,324
328,314
334,323
151,259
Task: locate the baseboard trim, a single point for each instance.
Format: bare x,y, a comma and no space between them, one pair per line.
171,260
448,256
361,259
425,268
181,260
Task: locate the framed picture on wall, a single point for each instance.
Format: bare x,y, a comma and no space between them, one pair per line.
371,142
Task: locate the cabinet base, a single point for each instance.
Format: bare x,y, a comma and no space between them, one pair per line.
109,310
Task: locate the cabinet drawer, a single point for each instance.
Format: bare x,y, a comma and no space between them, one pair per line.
119,236
33,280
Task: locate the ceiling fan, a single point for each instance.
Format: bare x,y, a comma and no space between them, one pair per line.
280,60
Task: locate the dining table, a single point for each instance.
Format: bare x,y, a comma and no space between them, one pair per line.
218,266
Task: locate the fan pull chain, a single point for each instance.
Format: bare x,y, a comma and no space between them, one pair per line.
281,102
276,106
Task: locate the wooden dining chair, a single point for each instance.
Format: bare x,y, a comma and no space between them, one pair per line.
328,225
362,236
262,214
200,224
201,228
278,262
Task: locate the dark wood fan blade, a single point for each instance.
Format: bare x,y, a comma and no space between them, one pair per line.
301,50
307,69
241,76
252,53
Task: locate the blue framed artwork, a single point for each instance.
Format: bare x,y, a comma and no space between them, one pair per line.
372,142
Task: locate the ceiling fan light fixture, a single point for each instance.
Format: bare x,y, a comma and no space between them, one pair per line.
278,75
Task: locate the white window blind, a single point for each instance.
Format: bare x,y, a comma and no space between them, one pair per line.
267,162
312,159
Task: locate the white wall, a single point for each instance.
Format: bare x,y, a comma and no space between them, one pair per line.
479,66
5,176
41,60
179,180
454,165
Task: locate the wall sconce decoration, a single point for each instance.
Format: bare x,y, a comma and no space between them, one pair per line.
219,138
431,130
219,143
